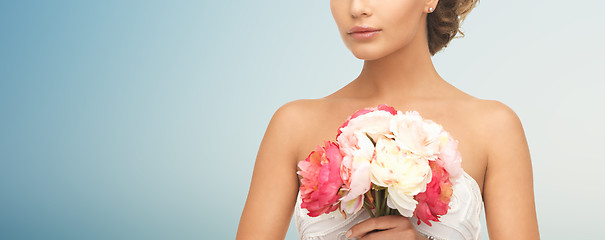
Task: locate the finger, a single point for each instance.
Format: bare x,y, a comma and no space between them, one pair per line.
377,223
394,233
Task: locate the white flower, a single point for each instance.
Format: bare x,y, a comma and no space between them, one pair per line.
403,172
358,151
415,134
375,124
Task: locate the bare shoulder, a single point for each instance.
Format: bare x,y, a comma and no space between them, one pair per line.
274,181
494,118
508,186
498,126
293,118
295,113
294,109
304,111
500,113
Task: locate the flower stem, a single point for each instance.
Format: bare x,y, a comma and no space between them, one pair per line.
368,209
379,201
387,210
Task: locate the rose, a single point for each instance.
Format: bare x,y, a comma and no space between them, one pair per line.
321,180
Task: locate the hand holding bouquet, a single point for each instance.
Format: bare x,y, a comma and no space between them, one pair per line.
385,161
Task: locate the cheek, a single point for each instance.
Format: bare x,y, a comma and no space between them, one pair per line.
340,13
403,20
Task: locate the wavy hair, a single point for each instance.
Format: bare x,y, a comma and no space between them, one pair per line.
445,21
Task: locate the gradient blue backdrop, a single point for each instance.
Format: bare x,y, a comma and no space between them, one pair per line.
142,119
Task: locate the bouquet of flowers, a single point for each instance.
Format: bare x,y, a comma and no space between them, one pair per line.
385,161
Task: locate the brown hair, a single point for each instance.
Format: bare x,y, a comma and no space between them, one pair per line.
444,22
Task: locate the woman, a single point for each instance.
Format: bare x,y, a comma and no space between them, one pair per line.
400,38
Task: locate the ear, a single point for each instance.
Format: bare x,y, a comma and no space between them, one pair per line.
430,5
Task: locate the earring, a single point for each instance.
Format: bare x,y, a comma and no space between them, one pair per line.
430,10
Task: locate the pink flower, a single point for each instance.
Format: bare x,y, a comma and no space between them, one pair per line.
435,200
321,180
382,107
355,173
355,138
449,156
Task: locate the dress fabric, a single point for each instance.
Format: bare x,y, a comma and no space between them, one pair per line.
462,220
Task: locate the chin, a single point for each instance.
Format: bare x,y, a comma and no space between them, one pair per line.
367,52
367,56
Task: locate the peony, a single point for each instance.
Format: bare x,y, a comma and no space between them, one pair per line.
402,172
355,138
449,156
415,134
385,160
321,180
381,107
355,173
435,200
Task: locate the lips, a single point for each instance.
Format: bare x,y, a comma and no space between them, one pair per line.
360,29
363,32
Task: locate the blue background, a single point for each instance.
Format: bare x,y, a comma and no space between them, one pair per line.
142,119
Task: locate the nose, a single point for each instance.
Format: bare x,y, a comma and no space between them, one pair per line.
359,8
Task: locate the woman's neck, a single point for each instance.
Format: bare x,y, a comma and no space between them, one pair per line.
406,73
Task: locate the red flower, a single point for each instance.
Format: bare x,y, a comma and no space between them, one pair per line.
321,180
434,202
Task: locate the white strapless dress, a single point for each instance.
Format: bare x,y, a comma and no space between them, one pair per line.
462,221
